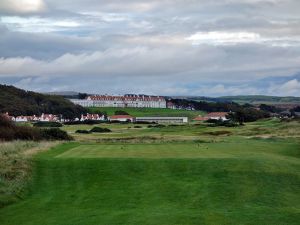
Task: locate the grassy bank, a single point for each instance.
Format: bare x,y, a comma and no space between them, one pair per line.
252,182
15,168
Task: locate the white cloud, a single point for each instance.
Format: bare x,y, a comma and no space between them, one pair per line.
22,6
234,38
291,88
38,24
223,38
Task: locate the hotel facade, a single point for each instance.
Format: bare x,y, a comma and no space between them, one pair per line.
132,101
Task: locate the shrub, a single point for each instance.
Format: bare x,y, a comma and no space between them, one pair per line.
87,122
120,112
82,132
47,124
9,131
7,134
224,123
137,127
120,122
28,133
5,122
55,134
144,122
219,132
100,130
157,126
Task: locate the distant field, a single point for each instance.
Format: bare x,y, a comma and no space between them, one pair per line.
147,112
194,131
239,181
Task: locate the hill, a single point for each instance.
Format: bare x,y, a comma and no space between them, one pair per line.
243,99
18,102
256,99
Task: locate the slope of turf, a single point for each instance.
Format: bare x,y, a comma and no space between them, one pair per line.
260,187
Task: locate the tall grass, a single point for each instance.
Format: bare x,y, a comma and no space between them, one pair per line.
15,167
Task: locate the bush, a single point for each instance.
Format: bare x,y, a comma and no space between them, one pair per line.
120,112
47,124
120,122
82,132
7,134
137,127
28,133
100,130
219,132
222,123
157,126
55,134
9,131
144,122
5,122
87,122
176,125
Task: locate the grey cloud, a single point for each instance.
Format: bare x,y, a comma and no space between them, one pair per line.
148,40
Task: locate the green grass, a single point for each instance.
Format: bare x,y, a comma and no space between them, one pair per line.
140,112
237,181
15,168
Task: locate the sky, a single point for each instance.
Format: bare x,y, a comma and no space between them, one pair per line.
157,47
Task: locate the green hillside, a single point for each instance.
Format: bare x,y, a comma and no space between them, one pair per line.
19,102
252,99
237,182
262,99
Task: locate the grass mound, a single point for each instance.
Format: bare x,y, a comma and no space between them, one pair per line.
15,168
47,124
100,130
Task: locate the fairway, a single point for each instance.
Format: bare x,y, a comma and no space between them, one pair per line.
234,182
227,149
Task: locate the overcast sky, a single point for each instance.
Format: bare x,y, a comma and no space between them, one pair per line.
160,47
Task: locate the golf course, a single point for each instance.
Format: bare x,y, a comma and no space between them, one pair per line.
186,174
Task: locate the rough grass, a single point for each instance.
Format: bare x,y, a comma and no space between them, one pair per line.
236,182
263,128
15,168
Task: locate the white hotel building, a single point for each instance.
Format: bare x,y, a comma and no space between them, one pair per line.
133,101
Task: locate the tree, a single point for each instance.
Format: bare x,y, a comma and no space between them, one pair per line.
82,95
120,112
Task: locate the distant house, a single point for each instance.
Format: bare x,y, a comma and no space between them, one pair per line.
212,116
49,118
163,119
201,118
217,115
21,119
121,118
92,117
34,118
